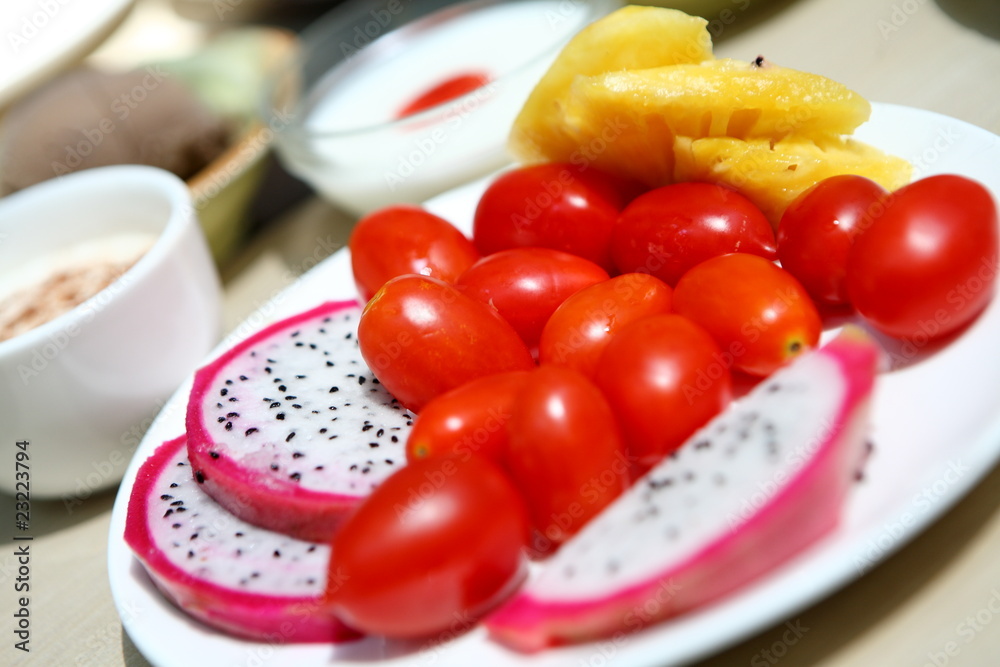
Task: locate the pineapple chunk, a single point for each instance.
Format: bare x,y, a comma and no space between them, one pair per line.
772,174
721,98
637,148
632,37
639,94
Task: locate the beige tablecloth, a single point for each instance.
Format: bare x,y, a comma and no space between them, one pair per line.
936,602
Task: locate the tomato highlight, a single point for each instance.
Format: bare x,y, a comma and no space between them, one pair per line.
422,337
664,377
470,420
927,266
758,313
583,325
403,239
565,453
668,230
818,229
551,205
417,554
526,285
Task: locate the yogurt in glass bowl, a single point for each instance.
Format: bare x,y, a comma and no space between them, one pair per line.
399,101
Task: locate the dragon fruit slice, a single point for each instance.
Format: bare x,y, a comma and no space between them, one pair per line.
236,577
289,429
756,485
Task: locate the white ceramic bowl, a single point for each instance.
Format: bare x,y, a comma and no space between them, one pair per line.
338,105
82,388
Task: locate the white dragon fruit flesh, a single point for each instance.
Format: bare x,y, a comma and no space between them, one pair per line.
289,429
752,488
245,580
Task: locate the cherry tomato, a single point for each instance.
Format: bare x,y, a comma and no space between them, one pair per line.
403,239
927,265
469,420
757,312
668,230
439,540
664,377
526,285
449,89
580,328
565,452
422,337
818,229
551,205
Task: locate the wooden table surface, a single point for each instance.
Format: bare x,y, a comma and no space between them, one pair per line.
935,602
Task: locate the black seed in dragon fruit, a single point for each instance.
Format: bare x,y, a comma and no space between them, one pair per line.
289,429
755,486
244,580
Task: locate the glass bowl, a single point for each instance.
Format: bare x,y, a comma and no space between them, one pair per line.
339,108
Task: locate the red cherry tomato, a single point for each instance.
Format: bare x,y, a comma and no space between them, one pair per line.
580,328
552,205
526,285
668,230
818,229
449,89
422,337
664,377
439,540
403,239
757,312
469,420
927,265
565,452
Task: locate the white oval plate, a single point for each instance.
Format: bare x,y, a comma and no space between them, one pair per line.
936,429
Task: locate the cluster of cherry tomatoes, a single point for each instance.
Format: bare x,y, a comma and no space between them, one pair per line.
585,331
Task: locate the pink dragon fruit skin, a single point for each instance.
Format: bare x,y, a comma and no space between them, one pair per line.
216,568
266,433
783,488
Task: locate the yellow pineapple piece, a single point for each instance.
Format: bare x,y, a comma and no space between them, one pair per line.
632,37
639,148
638,94
720,98
772,174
